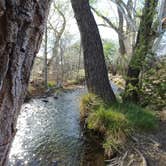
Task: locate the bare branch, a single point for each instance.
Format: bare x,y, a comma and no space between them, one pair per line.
107,20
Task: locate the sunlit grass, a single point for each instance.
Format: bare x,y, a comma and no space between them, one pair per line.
89,103
116,122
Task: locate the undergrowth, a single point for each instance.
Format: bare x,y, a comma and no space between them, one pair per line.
116,122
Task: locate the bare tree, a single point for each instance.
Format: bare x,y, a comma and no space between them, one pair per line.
58,30
126,11
126,29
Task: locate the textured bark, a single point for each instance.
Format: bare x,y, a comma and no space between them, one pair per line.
95,68
144,40
45,59
122,48
21,28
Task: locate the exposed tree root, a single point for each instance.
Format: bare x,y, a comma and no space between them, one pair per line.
143,150
123,159
130,162
144,162
114,162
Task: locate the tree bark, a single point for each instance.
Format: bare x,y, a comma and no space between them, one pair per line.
141,50
21,28
95,68
122,49
45,59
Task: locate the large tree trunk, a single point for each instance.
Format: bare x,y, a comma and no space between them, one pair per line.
21,29
95,68
141,50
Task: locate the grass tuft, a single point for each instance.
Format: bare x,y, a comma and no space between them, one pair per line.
139,118
89,103
116,122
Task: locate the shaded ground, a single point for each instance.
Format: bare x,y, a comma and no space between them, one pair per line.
144,150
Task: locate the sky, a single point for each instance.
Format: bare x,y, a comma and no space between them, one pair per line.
106,7
109,9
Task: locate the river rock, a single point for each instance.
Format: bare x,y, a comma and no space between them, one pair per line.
55,97
55,163
45,100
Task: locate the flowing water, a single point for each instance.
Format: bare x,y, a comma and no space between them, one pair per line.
49,134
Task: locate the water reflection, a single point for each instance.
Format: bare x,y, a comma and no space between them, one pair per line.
49,133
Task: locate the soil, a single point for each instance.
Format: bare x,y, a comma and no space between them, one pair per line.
39,91
144,150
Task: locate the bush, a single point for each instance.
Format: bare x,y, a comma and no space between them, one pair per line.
51,84
154,85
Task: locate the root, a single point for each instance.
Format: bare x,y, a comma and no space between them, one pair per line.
134,139
123,159
144,162
131,161
113,162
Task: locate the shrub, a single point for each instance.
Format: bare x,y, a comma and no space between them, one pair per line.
154,85
51,84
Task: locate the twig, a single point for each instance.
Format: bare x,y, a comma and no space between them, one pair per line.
144,163
123,159
131,161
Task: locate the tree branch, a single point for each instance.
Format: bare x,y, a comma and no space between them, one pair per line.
108,22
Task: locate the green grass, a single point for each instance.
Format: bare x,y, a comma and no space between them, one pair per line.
139,118
116,122
89,103
104,120
51,84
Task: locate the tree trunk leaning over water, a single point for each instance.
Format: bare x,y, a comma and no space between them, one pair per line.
95,68
21,28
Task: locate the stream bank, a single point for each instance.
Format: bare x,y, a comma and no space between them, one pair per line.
49,133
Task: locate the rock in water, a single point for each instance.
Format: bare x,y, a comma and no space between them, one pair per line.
45,100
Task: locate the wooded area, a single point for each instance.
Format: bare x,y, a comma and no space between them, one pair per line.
114,48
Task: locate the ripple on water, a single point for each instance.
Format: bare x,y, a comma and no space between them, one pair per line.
48,133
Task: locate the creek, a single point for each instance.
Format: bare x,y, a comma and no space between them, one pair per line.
49,134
